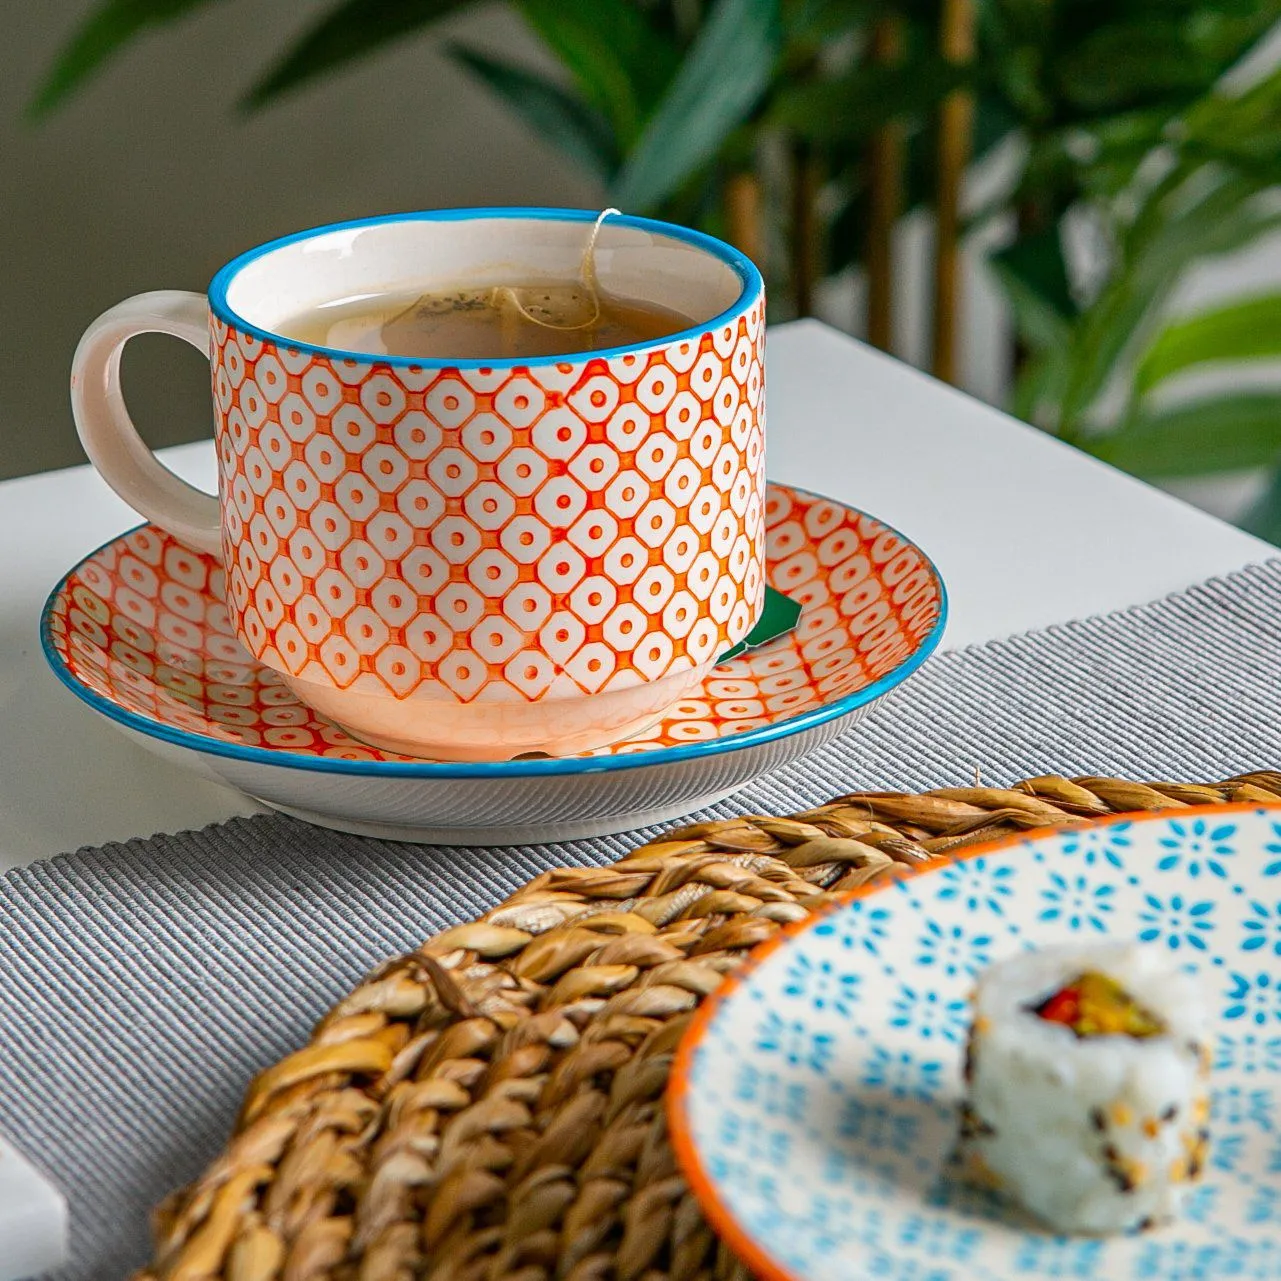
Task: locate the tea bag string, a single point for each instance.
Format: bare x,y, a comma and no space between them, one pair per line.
586,274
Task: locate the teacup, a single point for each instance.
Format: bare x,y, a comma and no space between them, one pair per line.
467,560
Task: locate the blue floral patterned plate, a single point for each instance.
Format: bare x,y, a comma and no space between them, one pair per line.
813,1101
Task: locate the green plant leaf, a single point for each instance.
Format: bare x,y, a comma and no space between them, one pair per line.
620,63
993,122
1221,433
1238,128
1263,519
562,119
816,21
1220,220
1038,391
107,29
1124,64
720,81
1106,57
351,31
1034,275
1246,330
1247,116
1101,158
857,104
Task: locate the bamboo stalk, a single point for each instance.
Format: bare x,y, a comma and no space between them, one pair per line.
956,126
743,215
805,183
885,161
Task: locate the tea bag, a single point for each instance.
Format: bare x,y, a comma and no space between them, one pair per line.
572,307
413,330
564,307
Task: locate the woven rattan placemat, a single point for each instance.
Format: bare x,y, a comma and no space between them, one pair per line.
491,1105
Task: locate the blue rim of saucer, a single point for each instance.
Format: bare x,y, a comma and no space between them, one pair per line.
753,286
283,758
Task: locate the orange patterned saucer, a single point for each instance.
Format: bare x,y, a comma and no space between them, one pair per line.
139,631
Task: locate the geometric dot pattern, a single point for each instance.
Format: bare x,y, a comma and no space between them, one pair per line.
511,533
143,624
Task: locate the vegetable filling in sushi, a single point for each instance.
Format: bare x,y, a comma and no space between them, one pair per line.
1095,1005
1087,1075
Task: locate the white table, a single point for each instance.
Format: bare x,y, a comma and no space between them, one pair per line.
1026,531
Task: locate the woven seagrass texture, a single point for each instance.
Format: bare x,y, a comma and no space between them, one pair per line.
491,1105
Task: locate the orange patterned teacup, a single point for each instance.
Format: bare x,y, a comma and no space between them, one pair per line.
468,560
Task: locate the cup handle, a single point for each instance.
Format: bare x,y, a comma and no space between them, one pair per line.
107,432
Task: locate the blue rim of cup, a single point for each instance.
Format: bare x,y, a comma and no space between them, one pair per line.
283,758
752,285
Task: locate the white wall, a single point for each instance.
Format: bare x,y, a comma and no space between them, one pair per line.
150,179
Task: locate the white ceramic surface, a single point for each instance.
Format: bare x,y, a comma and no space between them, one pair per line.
33,1219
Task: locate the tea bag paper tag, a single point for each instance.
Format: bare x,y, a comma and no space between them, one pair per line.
779,615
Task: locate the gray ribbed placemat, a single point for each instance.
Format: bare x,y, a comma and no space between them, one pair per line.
142,984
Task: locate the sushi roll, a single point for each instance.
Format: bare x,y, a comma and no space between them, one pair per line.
1087,1085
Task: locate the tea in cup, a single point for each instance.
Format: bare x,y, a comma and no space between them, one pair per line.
472,503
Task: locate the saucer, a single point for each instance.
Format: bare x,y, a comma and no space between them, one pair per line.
814,1101
139,631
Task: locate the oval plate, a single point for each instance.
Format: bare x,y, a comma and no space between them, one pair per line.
813,1103
139,631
